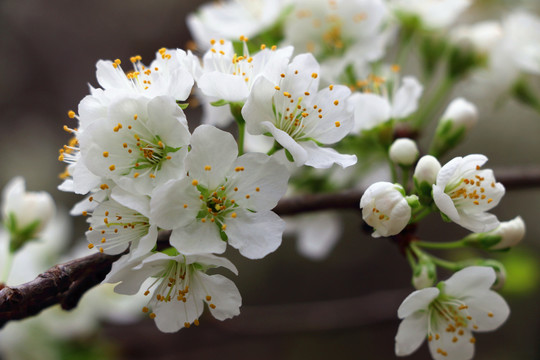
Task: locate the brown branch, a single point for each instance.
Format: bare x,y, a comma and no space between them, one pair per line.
64,284
511,177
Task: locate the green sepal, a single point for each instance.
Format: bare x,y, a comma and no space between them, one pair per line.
289,155
219,103
182,106
171,251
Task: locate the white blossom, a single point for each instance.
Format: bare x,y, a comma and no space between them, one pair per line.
382,98
180,289
338,33
230,77
465,192
233,18
224,199
448,314
300,117
385,208
403,151
140,144
426,170
114,228
460,113
434,14
25,213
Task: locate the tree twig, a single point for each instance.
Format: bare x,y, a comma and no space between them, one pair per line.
64,284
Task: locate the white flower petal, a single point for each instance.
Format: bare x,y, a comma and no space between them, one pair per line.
416,301
167,208
370,110
255,235
411,333
261,183
470,280
224,295
447,349
211,149
405,100
198,238
223,86
323,158
298,152
488,310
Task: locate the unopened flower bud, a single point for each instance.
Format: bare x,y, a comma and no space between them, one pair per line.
25,214
425,175
403,152
459,117
385,208
426,170
424,273
506,235
460,113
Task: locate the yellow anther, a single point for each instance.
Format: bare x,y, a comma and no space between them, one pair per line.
85,213
71,114
277,88
212,42
112,167
103,240
287,94
274,47
196,322
152,316
194,183
257,189
224,227
490,314
337,123
331,87
207,168
314,75
145,309
233,215
212,306
187,325
90,246
395,68
100,249
336,102
117,62
104,186
136,175
247,196
263,46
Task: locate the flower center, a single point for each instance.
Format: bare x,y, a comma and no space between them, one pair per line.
470,190
173,284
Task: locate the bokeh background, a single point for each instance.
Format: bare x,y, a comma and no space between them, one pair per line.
294,308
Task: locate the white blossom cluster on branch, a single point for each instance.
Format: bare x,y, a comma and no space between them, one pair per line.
317,92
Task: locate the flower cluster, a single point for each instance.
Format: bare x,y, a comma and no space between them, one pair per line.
323,92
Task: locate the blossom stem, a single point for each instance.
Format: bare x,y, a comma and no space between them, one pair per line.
420,214
410,258
450,265
236,111
277,146
433,104
392,168
442,246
